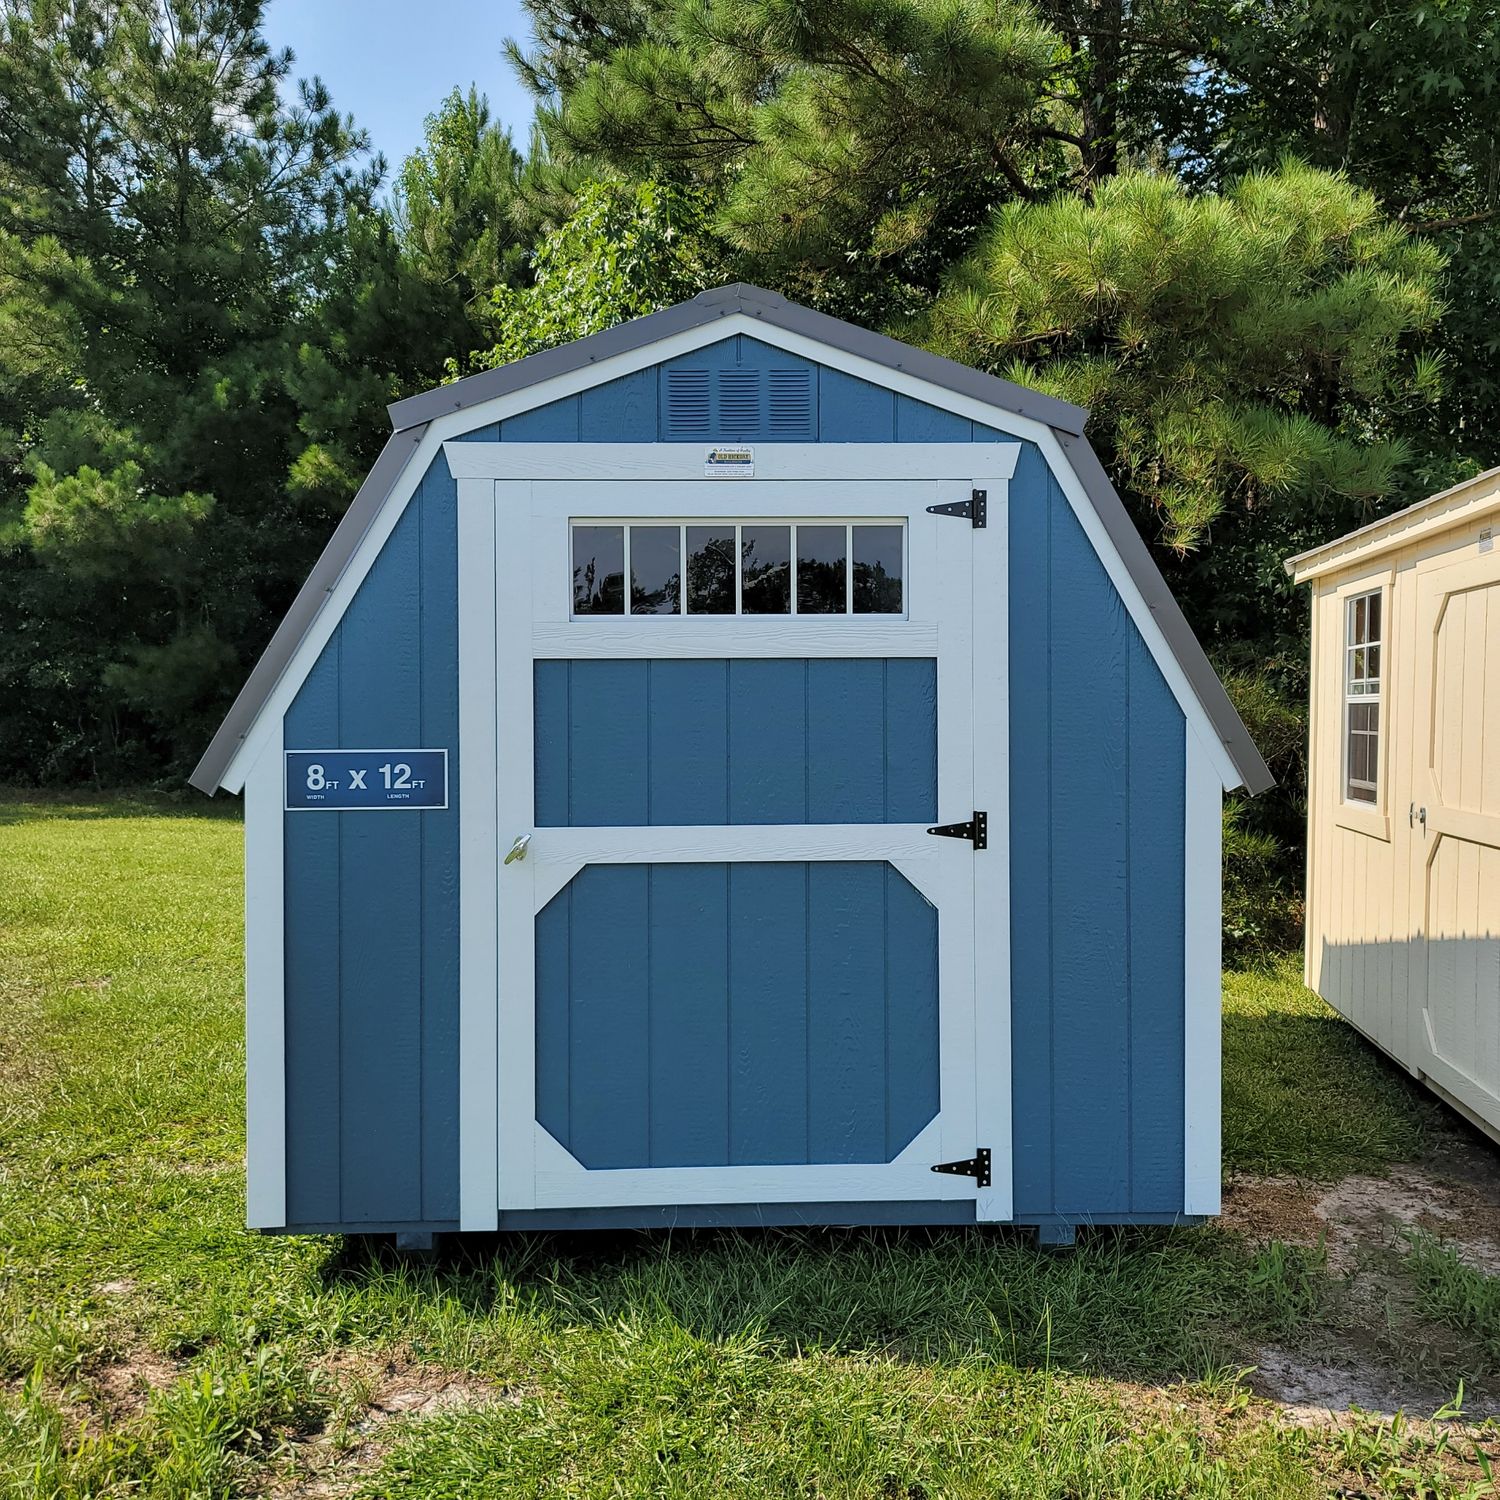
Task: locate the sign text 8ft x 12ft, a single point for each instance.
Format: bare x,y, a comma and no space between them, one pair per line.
355,780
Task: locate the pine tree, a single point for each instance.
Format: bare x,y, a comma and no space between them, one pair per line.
183,417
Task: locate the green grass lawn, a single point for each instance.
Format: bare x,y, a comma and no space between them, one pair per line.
151,1346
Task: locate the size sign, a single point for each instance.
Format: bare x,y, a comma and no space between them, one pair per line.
349,780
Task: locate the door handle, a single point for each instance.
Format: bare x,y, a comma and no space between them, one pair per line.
1416,814
518,849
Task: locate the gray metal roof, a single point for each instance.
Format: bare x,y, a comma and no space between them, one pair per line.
411,417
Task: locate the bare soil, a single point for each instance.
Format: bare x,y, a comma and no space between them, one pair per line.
1375,1353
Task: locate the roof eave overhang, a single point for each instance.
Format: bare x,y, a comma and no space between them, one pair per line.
1467,501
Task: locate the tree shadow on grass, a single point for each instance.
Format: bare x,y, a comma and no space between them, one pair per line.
1152,1303
30,805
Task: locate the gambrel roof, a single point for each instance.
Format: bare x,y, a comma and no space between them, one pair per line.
412,418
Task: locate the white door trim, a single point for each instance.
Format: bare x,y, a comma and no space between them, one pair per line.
478,1037
991,736
518,554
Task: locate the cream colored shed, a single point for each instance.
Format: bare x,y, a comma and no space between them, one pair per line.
1403,861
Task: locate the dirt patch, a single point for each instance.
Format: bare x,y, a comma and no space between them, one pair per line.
124,1386
369,1396
1363,1214
1272,1208
1311,1392
1371,1350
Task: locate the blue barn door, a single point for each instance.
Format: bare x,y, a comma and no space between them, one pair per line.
735,963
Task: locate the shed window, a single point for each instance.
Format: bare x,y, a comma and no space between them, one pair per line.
1362,665
821,567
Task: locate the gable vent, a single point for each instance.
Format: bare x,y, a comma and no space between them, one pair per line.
771,405
790,403
688,412
739,401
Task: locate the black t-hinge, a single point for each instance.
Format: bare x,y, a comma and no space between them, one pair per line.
977,1167
977,830
976,508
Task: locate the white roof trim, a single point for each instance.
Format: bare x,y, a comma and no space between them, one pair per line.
1451,507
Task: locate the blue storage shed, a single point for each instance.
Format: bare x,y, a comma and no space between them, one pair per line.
733,769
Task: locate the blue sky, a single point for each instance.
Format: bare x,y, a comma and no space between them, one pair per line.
390,63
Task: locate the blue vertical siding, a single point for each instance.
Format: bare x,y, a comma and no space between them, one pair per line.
622,743
371,904
813,1060
731,1015
1096,883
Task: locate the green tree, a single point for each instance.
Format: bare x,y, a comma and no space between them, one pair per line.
455,202
625,252
195,275
1403,96
1248,348
847,152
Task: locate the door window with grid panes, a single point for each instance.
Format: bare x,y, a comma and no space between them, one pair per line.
739,568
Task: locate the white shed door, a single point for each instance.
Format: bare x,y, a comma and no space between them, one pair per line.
734,964
1456,860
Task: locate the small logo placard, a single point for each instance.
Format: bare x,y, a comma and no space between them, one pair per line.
366,780
729,463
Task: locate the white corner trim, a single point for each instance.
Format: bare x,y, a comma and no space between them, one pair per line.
773,461
478,1119
1202,979
265,994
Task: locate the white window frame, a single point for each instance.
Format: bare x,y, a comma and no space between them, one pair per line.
1362,698
627,523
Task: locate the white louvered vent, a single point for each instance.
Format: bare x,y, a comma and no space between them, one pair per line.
687,401
790,403
777,405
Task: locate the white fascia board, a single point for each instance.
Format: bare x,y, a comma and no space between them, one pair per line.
620,462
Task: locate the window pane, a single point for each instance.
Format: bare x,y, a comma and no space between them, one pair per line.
877,570
1372,618
598,570
1372,663
1362,753
710,570
821,570
1357,621
654,571
766,570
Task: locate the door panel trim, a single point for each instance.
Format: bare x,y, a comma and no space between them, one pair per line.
734,636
